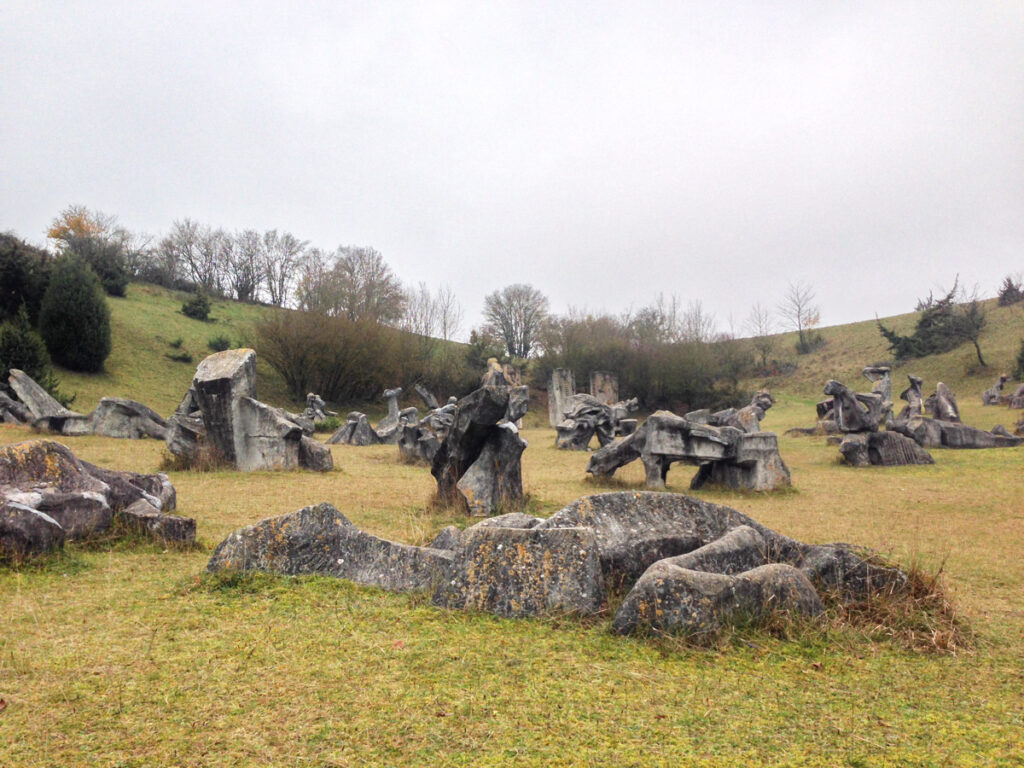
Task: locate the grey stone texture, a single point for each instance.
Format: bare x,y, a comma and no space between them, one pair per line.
25,531
994,394
561,388
886,449
477,466
725,455
516,572
355,431
320,539
84,500
235,426
604,385
942,404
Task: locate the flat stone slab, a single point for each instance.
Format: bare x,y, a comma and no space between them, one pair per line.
516,572
320,539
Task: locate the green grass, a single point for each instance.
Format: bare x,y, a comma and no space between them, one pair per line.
134,657
131,656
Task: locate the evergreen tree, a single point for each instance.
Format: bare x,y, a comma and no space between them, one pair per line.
74,320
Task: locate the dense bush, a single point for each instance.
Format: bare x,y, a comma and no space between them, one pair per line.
198,307
679,375
1018,371
24,274
1010,292
348,361
105,257
23,348
74,320
219,343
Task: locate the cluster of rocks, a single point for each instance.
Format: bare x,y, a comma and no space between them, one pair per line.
478,464
316,409
691,566
587,415
221,418
728,447
931,422
357,430
49,496
112,417
604,388
994,396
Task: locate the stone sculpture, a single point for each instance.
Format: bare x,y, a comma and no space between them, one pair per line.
942,404
561,388
858,416
355,431
914,397
994,394
587,416
49,496
690,566
604,385
419,442
235,426
316,409
112,417
725,455
478,465
1017,398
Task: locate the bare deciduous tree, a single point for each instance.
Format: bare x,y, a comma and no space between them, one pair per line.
761,327
449,313
244,267
281,254
367,288
800,313
517,312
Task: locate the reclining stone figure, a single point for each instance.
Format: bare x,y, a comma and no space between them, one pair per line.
994,394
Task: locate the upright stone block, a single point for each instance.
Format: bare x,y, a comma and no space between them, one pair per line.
561,388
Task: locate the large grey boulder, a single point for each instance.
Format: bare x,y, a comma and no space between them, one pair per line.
884,449
25,531
143,518
670,598
495,480
128,419
855,411
320,539
934,433
84,500
914,395
516,572
561,388
942,404
235,426
725,455
34,397
12,411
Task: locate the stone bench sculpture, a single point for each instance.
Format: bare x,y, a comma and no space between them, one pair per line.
726,455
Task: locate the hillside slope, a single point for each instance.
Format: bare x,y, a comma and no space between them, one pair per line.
144,326
149,319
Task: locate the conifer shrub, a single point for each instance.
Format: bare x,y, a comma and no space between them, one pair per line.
74,319
198,307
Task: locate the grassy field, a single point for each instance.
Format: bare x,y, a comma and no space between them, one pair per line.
127,655
130,656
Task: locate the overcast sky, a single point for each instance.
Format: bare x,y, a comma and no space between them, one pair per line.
603,152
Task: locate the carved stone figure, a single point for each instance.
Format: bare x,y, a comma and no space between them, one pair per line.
477,466
316,409
914,397
993,394
355,431
855,412
942,404
725,455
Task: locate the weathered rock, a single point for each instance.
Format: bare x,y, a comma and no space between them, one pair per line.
427,396
38,401
732,457
316,409
585,417
517,572
355,431
885,449
495,480
393,434
747,419
878,375
668,598
315,455
993,394
390,422
14,412
634,530
561,388
320,539
1017,398
25,532
128,419
604,385
83,499
518,404
500,375
222,380
933,433
914,395
855,412
476,427
142,517
450,537
942,404
184,435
